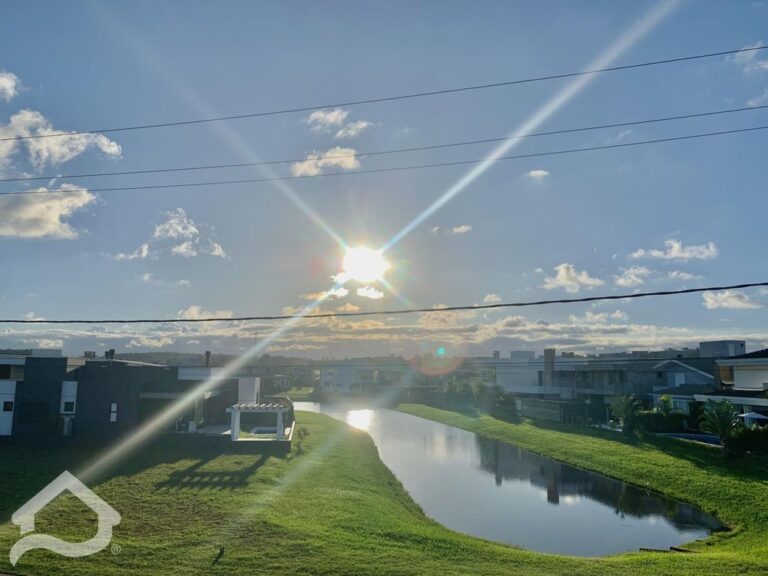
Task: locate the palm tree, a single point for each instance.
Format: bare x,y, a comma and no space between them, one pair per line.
625,409
721,419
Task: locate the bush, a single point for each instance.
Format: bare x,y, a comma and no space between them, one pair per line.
654,421
753,440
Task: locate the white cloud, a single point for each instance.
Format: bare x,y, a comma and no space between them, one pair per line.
539,271
675,250
632,276
42,215
185,249
150,342
32,316
750,62
462,229
195,312
215,249
599,317
323,121
729,299
9,85
570,279
177,225
352,129
167,235
435,229
140,253
348,307
759,100
46,343
149,278
370,292
50,151
537,175
344,158
333,293
684,276
491,299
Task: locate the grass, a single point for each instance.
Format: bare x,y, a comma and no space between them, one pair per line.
334,508
301,394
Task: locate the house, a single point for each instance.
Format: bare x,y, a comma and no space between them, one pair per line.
743,380
684,381
42,397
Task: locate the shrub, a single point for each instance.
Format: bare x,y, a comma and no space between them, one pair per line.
753,440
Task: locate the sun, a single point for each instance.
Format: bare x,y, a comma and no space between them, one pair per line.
364,264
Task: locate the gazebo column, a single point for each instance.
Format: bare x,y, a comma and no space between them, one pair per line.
235,424
280,427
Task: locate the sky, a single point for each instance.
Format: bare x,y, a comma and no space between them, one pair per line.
657,217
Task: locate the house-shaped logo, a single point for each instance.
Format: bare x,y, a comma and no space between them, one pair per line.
24,517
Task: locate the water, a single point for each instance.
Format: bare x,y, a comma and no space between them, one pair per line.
501,492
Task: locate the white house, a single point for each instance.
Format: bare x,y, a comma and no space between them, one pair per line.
743,381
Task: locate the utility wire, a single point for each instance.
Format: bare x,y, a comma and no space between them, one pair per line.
389,169
397,97
397,311
392,151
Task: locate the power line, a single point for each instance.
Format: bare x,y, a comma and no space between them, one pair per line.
389,169
395,150
397,311
397,97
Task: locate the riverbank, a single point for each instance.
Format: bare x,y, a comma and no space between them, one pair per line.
331,507
735,491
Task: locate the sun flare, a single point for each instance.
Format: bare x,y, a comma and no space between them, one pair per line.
364,265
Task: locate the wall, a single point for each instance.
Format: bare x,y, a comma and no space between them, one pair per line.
750,378
36,412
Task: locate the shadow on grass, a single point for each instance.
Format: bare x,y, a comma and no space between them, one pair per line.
195,478
27,469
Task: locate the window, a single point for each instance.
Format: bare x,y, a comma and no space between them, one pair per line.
69,407
113,412
8,406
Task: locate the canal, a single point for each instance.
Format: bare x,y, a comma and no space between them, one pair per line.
501,492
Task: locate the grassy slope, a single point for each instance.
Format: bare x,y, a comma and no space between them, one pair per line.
334,509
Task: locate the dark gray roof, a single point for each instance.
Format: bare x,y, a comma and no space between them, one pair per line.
757,354
687,390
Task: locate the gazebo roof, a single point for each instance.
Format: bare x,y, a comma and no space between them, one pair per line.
271,406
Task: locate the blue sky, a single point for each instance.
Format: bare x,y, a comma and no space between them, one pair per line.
658,217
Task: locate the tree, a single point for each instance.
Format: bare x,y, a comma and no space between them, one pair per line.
625,409
665,406
721,419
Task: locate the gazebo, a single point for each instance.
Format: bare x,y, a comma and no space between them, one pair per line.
281,407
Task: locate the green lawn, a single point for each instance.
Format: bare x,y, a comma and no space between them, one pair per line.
334,508
299,394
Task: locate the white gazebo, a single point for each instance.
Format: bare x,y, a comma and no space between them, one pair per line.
277,406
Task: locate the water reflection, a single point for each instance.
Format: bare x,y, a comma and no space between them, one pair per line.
568,485
360,419
501,492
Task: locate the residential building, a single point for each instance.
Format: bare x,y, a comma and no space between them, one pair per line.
743,380
58,396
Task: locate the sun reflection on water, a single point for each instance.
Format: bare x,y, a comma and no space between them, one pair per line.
360,419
